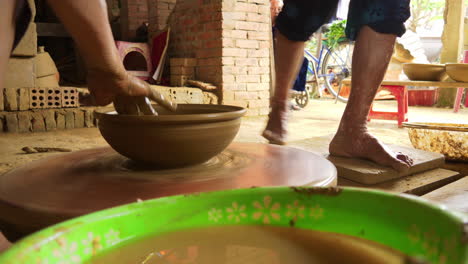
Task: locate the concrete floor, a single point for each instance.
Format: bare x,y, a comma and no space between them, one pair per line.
319,118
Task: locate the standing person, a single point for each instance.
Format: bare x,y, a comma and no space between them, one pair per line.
374,24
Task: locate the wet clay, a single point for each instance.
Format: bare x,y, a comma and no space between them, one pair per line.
69,185
190,135
251,244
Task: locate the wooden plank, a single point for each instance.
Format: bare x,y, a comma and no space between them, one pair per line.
419,83
367,172
51,30
454,195
417,184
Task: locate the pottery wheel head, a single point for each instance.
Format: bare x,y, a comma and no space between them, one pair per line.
222,165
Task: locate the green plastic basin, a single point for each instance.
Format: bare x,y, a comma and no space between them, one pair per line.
405,223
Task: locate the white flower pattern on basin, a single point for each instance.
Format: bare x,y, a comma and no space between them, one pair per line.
266,210
236,212
295,210
215,215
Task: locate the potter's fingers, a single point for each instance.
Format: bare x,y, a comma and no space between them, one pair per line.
144,104
162,100
126,105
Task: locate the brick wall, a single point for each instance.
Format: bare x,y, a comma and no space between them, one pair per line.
246,54
132,14
159,11
230,40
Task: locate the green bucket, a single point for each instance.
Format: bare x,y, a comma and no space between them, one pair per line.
402,222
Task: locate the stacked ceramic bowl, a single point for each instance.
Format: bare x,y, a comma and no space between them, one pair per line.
436,72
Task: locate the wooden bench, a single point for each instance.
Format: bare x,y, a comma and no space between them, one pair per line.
399,90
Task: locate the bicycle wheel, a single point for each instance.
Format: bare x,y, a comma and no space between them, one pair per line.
336,66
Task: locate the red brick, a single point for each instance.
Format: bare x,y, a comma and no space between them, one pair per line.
209,53
179,70
264,95
264,62
262,18
234,16
213,25
258,103
234,52
258,70
248,44
239,34
228,43
235,86
227,61
258,35
252,112
258,86
259,53
254,26
243,95
264,9
207,70
265,78
261,2
241,7
234,70
183,62
209,62
264,44
241,103
214,43
247,62
228,95
228,78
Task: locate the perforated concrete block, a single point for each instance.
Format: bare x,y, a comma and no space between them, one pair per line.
54,97
69,97
37,98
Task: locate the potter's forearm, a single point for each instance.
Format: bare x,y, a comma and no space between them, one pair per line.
87,22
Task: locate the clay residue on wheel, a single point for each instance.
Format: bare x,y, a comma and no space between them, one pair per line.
330,191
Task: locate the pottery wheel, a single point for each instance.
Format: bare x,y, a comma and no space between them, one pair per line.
68,185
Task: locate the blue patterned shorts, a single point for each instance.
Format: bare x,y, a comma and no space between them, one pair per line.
299,19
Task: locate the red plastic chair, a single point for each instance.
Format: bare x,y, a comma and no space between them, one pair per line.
459,96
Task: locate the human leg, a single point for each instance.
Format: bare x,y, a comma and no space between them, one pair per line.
372,54
298,20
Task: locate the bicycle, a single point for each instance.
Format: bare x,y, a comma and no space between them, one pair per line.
332,65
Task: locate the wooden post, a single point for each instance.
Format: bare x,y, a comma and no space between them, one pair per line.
452,40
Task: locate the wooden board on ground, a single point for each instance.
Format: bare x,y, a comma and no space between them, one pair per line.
454,195
417,184
367,172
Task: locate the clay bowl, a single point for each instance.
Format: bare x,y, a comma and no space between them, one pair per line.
191,135
406,223
424,72
457,71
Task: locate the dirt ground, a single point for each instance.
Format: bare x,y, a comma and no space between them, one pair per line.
319,118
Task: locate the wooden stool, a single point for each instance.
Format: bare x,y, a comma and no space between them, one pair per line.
401,95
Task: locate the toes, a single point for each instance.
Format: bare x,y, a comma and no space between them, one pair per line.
405,158
400,166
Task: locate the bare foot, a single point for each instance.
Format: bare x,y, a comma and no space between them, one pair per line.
364,145
275,131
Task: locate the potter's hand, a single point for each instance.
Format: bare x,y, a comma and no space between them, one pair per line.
129,94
